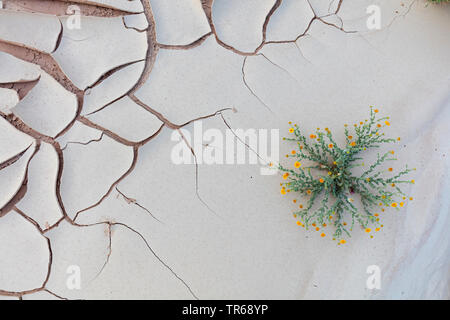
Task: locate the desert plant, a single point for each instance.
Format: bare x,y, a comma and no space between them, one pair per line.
331,187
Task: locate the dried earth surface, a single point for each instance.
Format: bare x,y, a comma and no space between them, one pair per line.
93,206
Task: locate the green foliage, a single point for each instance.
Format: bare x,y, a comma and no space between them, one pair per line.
331,187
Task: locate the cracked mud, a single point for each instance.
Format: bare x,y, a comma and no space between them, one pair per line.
87,182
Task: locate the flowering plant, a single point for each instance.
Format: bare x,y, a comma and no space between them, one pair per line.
329,178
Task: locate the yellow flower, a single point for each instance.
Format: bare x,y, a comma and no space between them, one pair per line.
353,143
387,123
297,164
392,152
350,137
308,191
334,162
368,230
300,206
376,214
294,201
312,136
299,223
285,176
293,151
291,130
368,179
411,198
377,229
390,169
376,110
398,139
317,229
321,180
330,146
379,125
394,204
401,204
283,191
342,241
322,235
412,181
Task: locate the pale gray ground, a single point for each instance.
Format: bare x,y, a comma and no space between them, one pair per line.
88,186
